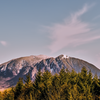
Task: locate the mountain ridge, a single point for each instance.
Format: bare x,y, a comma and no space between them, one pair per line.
10,71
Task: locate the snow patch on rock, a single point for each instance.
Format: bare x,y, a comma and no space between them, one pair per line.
65,56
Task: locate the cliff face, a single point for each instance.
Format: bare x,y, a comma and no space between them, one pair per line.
12,70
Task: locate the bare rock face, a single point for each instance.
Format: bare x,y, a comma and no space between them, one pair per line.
13,69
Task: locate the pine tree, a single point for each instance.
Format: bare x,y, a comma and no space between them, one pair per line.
83,75
28,87
10,94
82,80
5,95
74,92
28,79
38,86
88,93
90,78
96,87
65,92
63,76
47,80
18,88
73,78
56,87
1,98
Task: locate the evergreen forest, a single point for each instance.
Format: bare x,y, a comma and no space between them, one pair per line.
63,86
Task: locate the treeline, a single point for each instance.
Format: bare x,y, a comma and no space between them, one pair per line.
63,86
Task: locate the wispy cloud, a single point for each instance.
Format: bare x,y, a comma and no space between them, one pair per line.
72,32
4,43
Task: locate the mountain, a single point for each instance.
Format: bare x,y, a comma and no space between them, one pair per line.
13,69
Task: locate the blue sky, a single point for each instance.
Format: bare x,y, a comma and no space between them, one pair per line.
50,28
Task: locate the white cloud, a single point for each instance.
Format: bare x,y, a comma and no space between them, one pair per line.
72,32
4,43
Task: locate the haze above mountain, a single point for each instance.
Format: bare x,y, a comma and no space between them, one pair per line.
10,71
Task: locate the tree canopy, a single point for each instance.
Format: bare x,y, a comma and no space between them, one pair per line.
65,85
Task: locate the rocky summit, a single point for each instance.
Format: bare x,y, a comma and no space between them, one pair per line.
13,69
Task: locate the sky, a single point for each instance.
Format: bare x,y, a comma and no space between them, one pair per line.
50,28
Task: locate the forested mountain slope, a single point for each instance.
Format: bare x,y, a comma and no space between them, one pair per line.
13,69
